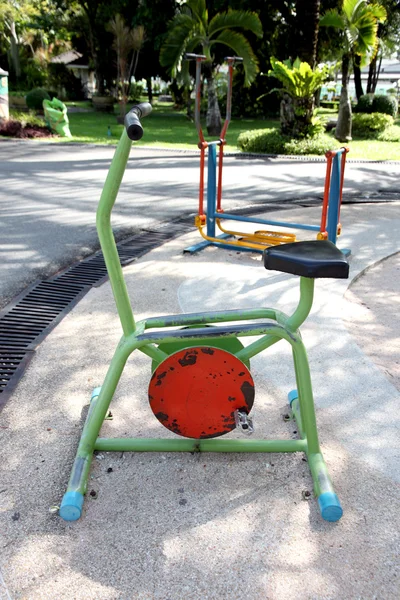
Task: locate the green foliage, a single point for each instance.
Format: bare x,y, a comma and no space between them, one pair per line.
35,97
270,141
391,134
34,72
191,30
319,145
300,83
299,79
27,118
385,104
317,125
364,105
368,126
358,20
64,82
136,92
380,103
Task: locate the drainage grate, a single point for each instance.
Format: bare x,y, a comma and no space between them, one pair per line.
34,313
12,365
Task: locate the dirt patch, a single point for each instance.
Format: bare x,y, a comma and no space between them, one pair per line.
374,320
16,129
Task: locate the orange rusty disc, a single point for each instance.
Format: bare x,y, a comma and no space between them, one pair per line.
195,392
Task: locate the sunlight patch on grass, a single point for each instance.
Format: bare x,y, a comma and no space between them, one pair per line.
168,128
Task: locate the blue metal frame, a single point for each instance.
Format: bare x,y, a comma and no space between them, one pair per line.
212,215
334,196
211,189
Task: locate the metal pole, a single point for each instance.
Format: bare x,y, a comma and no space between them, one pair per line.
211,190
106,237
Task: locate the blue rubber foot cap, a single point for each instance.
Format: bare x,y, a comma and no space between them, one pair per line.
71,506
330,507
95,393
293,395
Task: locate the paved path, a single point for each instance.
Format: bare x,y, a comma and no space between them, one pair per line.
208,526
49,194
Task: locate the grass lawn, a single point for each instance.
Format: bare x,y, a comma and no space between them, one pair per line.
168,128
164,127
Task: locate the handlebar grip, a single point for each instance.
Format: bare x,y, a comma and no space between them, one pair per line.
133,125
190,56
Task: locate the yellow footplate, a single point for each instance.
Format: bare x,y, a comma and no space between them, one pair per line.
269,238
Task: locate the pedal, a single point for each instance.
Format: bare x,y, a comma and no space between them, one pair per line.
243,422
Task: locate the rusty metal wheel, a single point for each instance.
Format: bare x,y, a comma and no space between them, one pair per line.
196,391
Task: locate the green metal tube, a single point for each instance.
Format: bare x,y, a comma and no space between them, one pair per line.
210,317
203,334
257,347
107,242
292,323
192,445
94,420
305,303
297,415
153,352
320,475
305,396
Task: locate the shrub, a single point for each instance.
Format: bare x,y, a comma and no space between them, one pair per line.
370,125
391,134
136,92
364,105
19,94
27,118
316,145
385,104
34,98
270,141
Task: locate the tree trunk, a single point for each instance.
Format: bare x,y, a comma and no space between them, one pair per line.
307,26
14,50
373,74
91,13
286,115
343,127
213,119
149,89
303,110
357,76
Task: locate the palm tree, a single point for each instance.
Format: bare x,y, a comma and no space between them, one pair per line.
191,30
300,83
126,40
358,21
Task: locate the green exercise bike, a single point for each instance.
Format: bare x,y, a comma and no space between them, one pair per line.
201,387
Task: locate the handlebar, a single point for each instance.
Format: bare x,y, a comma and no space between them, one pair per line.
234,59
133,125
190,56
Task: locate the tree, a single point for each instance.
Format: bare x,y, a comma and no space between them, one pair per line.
358,22
153,16
388,41
307,25
14,16
300,82
127,43
191,30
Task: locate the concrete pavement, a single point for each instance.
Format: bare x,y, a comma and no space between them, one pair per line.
173,526
49,194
